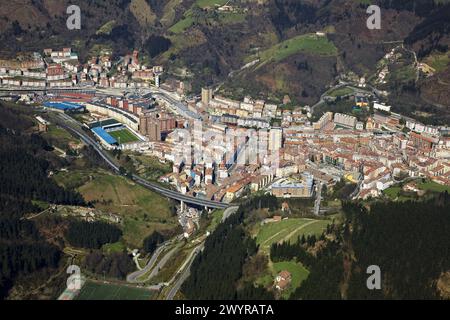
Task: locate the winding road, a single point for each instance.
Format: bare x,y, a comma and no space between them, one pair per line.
184,274
133,277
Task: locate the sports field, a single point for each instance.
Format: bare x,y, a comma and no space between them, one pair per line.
99,291
123,136
289,230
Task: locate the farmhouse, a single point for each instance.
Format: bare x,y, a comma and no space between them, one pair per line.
283,280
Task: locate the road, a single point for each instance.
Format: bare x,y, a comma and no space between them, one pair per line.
355,193
132,277
74,127
318,199
177,105
171,99
160,264
184,274
228,212
367,89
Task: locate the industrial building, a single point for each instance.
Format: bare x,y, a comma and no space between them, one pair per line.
294,189
65,106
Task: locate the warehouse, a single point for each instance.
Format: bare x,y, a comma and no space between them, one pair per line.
65,106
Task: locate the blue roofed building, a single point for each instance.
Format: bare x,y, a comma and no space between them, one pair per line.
105,138
65,106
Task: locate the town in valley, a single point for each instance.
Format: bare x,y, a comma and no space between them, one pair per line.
287,174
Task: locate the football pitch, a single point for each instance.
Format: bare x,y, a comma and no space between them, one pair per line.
289,230
103,291
123,136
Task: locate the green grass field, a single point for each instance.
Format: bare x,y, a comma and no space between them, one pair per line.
182,24
341,92
298,271
288,230
210,3
142,210
394,192
123,136
438,61
224,18
114,247
308,43
106,28
149,167
59,137
433,186
99,291
216,218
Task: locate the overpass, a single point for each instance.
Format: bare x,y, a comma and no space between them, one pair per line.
74,127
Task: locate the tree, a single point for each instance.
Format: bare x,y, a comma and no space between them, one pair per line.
198,14
156,45
152,242
92,234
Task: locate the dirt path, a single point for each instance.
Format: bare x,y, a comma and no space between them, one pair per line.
273,236
298,229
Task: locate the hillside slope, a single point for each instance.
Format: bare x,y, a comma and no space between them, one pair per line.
210,43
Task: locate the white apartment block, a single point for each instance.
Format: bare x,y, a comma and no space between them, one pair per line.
345,120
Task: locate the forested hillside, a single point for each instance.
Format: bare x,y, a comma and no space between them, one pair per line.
24,180
191,37
92,235
217,270
409,241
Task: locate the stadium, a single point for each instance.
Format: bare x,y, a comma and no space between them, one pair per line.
113,134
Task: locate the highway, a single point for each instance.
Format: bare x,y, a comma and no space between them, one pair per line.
160,264
184,274
228,212
74,127
132,277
